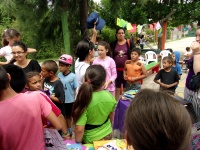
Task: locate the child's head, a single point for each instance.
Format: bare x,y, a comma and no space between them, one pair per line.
187,49
65,61
4,80
155,120
135,53
103,49
84,49
18,78
10,36
95,77
49,68
33,81
167,62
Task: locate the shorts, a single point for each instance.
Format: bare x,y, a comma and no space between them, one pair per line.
120,80
68,109
134,86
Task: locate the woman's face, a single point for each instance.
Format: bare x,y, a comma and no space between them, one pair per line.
18,53
120,35
198,35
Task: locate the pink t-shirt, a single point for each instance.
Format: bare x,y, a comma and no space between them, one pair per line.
109,65
21,125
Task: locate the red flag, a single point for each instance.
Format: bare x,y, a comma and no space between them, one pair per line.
134,28
151,27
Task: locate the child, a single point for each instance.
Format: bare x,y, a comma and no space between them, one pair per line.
23,129
93,108
156,121
69,82
53,84
168,77
109,65
34,83
176,66
134,71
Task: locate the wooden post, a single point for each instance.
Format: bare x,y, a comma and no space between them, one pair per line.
164,30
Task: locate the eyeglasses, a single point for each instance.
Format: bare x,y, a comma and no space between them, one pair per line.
18,53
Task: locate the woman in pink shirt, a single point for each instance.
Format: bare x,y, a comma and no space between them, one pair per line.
109,65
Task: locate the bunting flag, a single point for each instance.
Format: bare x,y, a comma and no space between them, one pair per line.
134,28
129,26
121,22
160,33
139,29
151,27
158,26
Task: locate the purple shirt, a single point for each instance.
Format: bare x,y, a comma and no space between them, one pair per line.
120,59
110,67
190,74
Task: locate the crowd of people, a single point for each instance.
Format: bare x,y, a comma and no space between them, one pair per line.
33,97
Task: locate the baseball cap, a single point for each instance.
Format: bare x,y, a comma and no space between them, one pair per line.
66,59
94,19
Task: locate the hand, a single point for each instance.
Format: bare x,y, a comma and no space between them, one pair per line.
167,86
107,84
125,77
94,31
195,46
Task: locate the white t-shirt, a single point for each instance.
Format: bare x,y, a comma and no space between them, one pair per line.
6,52
80,69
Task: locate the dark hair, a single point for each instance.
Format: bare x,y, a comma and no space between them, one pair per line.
107,47
155,120
95,77
50,65
3,79
169,59
169,49
9,33
137,50
118,30
142,36
82,49
18,78
187,48
31,74
22,45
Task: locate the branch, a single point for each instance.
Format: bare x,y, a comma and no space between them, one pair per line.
168,16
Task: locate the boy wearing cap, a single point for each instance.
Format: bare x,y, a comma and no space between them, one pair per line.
69,82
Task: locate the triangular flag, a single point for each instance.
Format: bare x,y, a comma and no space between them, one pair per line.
122,23
158,26
151,27
118,21
139,29
160,33
134,28
129,26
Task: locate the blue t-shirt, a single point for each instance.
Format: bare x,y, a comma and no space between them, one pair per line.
70,84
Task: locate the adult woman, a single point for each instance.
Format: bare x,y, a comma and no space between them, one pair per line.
19,51
194,68
120,52
9,36
155,120
84,52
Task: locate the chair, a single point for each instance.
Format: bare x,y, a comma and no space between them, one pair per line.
142,60
165,53
151,56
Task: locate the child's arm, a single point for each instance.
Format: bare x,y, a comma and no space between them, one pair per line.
59,93
74,92
79,131
54,120
55,99
157,79
125,72
171,85
31,50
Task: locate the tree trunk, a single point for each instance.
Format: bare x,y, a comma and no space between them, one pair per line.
65,25
83,5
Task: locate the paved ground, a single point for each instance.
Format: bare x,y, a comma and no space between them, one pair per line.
178,45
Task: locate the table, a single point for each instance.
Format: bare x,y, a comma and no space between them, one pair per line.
119,116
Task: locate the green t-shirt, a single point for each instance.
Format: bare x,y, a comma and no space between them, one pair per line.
101,105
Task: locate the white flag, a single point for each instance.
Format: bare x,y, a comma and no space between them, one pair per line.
158,26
